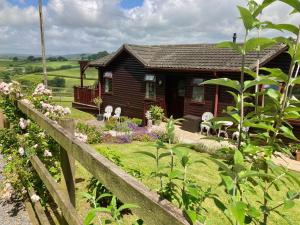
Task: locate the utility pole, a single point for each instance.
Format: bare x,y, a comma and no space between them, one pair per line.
43,43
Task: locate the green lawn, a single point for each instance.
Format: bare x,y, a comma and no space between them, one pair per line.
205,175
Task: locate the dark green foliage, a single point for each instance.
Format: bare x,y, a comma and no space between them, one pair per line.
57,82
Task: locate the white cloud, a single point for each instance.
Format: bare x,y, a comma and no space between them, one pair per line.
76,26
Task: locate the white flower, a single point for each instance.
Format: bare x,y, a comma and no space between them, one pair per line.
35,146
21,151
148,115
23,123
9,158
35,198
26,134
67,111
81,137
41,90
47,153
8,186
42,134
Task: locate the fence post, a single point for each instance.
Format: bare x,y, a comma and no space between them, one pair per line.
68,162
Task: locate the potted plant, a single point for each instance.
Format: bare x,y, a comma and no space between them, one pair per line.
98,102
295,150
157,114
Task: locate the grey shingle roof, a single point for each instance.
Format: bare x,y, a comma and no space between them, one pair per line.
191,57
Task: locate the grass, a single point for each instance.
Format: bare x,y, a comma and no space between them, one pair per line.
205,175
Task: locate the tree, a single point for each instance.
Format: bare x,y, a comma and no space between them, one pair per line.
15,59
57,82
30,58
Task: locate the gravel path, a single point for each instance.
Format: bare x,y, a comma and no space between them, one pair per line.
11,213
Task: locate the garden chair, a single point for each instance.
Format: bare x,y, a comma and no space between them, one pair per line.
107,112
117,115
236,134
206,125
224,125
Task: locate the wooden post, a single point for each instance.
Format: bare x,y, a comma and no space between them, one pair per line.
68,162
2,120
216,103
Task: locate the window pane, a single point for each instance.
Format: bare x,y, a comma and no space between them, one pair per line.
198,81
198,94
108,85
150,77
150,90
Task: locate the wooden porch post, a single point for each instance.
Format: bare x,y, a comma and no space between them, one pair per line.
216,105
99,81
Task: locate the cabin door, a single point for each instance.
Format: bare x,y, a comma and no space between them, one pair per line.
175,93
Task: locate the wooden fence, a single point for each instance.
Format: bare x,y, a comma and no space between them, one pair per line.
152,209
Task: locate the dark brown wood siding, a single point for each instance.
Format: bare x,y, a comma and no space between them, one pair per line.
129,87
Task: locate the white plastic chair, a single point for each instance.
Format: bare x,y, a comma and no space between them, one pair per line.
224,125
117,115
236,134
205,125
107,112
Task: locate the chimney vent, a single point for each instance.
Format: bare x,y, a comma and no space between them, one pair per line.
234,38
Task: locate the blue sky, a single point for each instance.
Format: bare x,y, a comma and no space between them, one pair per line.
126,4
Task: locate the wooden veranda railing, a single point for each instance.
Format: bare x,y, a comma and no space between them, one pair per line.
85,95
152,209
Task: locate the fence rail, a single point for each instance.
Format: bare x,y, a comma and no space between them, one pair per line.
152,209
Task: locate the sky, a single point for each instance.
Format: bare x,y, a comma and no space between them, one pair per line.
90,26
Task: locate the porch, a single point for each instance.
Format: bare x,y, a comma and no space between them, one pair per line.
84,98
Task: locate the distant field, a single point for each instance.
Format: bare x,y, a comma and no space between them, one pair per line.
6,64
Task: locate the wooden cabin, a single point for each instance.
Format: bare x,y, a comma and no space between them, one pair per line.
136,77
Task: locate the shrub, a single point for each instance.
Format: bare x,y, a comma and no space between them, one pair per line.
111,124
136,121
94,134
57,82
157,113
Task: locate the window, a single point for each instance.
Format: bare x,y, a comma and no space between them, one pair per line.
198,90
150,80
108,82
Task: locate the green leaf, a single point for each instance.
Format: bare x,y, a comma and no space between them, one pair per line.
228,182
276,73
283,27
127,206
164,154
253,212
296,80
232,45
89,217
224,82
260,125
258,81
261,7
258,44
238,158
192,216
147,154
223,166
250,72
238,210
288,204
247,17
288,133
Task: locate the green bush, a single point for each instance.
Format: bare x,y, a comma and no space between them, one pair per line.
157,113
94,133
136,121
57,82
111,124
